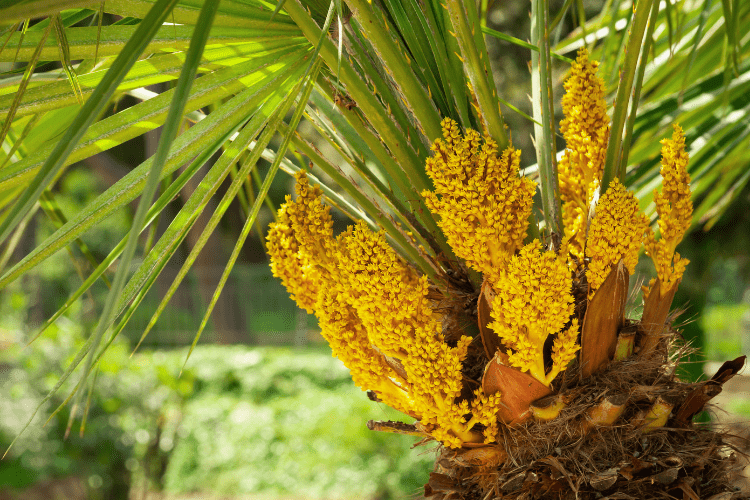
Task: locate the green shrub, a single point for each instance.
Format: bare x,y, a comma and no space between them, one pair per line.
283,421
239,420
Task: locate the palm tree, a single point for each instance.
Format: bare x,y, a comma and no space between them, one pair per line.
491,316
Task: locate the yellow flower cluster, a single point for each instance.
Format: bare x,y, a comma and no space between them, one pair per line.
393,305
483,203
586,132
347,336
372,307
484,410
675,209
311,220
295,245
303,254
484,207
615,233
533,301
390,298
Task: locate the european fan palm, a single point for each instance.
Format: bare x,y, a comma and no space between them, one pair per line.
493,317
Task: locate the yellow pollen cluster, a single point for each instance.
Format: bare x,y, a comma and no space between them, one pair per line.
616,233
393,305
389,297
311,219
297,243
533,301
303,254
375,313
484,411
675,209
586,132
347,336
483,203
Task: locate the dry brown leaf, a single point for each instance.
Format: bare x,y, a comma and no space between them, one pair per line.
655,312
697,399
604,318
518,390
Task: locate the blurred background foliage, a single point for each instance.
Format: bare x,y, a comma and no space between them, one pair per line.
239,421
261,409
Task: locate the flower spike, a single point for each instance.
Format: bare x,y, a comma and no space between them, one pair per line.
675,209
534,301
616,233
483,203
586,132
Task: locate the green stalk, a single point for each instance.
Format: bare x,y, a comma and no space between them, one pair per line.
397,64
383,89
448,50
613,43
614,168
544,113
730,28
638,85
478,68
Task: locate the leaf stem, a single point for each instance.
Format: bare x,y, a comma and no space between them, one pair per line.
638,85
543,106
477,66
397,64
614,168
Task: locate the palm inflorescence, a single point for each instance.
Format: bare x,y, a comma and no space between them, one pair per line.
550,352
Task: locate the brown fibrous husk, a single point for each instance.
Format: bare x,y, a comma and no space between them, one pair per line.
568,458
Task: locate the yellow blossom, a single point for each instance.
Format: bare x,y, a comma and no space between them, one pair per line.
343,329
484,409
371,306
311,220
398,318
483,203
303,254
616,233
300,241
586,132
292,264
533,301
675,209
